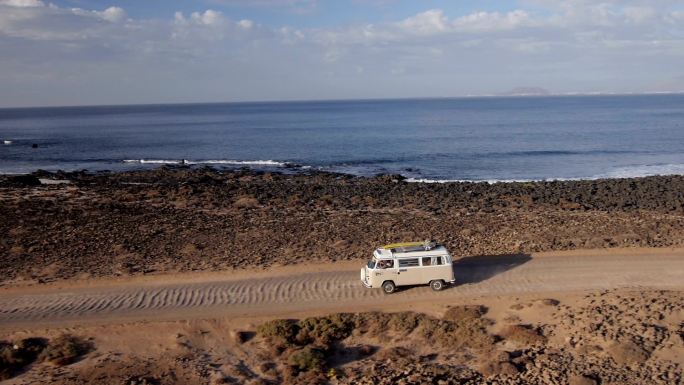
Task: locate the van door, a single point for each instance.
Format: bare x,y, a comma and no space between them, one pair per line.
385,270
409,272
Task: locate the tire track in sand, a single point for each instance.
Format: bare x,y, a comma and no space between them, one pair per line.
475,276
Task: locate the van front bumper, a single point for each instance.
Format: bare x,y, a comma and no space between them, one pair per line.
364,283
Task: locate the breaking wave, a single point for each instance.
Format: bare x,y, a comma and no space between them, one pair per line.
643,170
271,163
489,181
637,171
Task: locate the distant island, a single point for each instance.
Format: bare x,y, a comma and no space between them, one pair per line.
527,91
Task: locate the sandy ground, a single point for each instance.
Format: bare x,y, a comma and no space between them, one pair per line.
317,289
579,317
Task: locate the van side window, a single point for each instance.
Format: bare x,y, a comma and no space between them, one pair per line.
408,262
427,261
437,261
385,264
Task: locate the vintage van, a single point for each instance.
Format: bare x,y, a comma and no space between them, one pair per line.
415,263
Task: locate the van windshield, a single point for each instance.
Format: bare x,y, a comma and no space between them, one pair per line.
371,264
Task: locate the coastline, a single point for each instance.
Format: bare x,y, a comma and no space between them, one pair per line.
179,219
167,272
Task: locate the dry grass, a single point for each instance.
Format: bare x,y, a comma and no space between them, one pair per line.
65,350
464,313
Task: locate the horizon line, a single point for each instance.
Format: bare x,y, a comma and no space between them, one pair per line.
275,101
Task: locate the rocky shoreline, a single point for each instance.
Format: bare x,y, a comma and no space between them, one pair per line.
79,224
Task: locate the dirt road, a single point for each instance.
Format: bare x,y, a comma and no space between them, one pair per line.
335,288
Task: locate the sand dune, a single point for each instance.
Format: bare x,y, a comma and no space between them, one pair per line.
278,294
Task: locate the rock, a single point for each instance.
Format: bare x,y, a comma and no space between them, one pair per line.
628,353
494,368
577,379
24,180
550,302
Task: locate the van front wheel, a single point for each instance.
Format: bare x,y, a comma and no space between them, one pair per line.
437,285
388,287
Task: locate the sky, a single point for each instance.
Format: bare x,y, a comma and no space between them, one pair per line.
85,52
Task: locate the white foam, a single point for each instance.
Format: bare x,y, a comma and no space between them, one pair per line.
210,161
643,171
7,142
490,181
54,181
154,161
240,162
617,173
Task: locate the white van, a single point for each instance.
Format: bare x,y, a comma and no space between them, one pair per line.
415,263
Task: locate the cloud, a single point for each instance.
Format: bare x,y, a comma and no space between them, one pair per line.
112,14
435,21
60,55
428,22
296,6
22,3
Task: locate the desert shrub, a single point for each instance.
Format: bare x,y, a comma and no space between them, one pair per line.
404,322
65,350
14,357
307,359
523,334
279,330
370,322
464,313
324,330
467,333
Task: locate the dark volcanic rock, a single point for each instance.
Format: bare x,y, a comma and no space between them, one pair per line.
23,180
183,218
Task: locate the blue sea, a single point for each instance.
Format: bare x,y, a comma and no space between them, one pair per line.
478,139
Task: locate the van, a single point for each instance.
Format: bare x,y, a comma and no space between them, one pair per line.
414,263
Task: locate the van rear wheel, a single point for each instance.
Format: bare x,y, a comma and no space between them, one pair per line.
437,285
388,287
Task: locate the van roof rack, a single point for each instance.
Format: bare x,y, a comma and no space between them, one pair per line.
410,246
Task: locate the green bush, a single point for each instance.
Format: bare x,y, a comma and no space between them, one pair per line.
307,359
279,330
324,330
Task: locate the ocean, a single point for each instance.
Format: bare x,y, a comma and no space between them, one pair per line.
475,139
